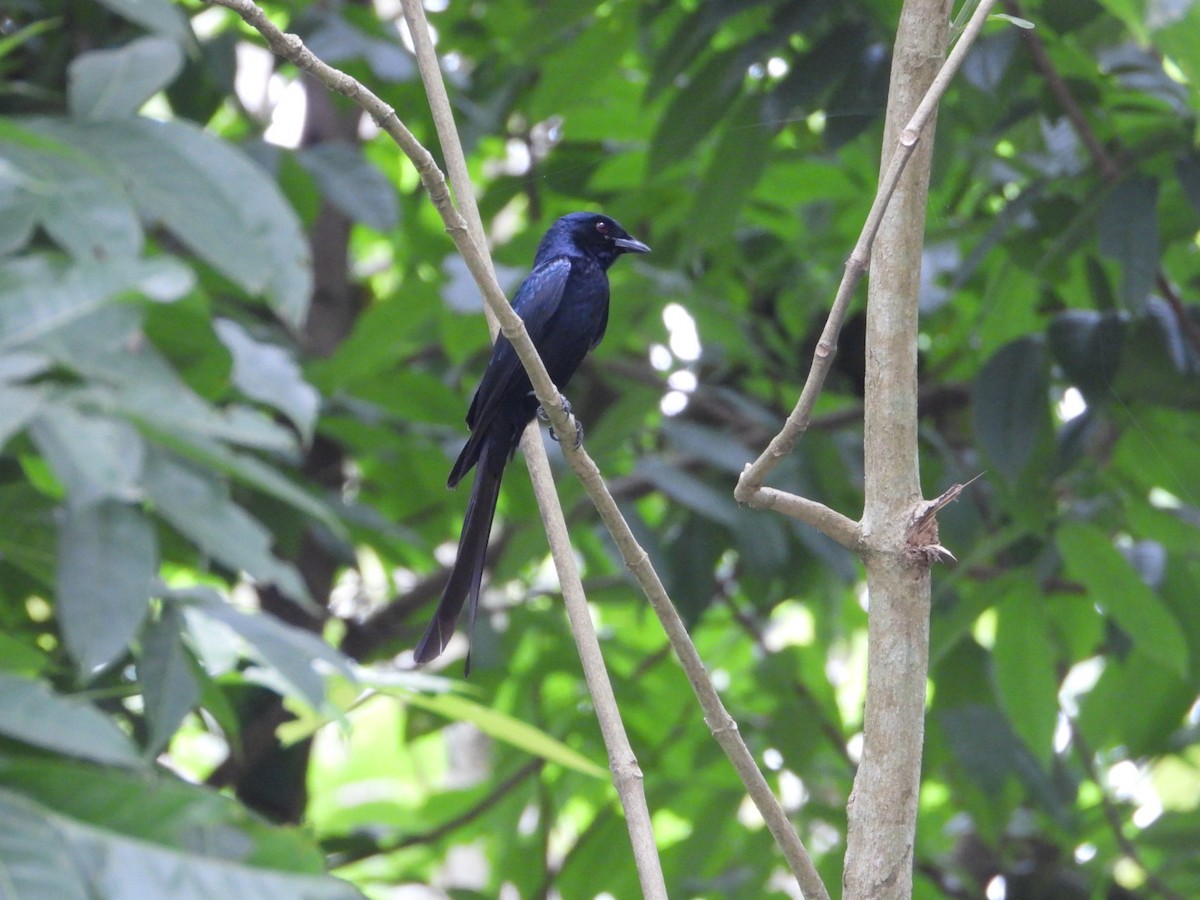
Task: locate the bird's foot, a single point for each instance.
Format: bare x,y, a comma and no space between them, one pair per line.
545,417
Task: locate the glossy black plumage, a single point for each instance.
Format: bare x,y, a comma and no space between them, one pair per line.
564,305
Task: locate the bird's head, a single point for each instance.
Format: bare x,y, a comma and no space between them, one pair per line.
598,236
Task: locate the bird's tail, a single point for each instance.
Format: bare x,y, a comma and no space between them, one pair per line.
467,573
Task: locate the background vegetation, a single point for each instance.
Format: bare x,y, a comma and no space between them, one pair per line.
233,373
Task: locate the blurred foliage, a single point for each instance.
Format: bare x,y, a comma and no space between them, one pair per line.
232,377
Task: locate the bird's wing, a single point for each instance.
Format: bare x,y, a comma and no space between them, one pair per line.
536,301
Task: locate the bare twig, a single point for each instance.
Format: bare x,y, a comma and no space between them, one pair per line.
750,488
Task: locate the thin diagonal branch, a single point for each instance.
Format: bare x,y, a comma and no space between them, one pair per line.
622,762
722,725
750,488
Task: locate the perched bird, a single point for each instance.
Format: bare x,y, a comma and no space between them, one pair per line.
564,305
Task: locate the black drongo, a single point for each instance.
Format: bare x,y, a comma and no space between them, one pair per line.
564,305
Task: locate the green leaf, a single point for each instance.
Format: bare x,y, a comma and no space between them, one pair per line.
11,42
165,672
504,728
690,491
1010,404
107,557
113,84
76,198
34,863
288,650
1137,704
95,457
254,473
1012,20
40,294
235,217
32,713
1187,170
129,376
198,506
160,16
267,373
1026,663
1159,364
1114,585
736,165
29,535
20,657
1128,231
152,836
17,407
352,183
1087,345
696,109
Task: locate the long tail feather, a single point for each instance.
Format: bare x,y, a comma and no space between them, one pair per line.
467,573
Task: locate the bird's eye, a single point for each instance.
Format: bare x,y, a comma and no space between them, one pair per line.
602,227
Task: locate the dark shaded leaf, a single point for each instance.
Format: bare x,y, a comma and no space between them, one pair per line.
688,42
1087,345
352,183
690,491
159,16
1137,703
695,110
1188,172
1010,401
736,165
165,672
715,447
1159,365
1128,231
336,40
815,72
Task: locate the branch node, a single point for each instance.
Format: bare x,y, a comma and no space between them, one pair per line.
921,545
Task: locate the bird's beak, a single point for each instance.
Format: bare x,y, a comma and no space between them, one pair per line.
631,245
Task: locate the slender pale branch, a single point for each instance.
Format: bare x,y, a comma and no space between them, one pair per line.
722,725
627,776
749,488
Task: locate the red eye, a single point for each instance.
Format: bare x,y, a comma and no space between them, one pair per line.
602,227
